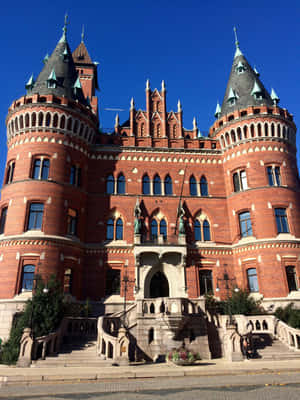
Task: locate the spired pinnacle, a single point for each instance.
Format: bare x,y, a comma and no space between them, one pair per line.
82,34
64,29
237,44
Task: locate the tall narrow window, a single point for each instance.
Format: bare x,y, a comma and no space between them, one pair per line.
27,277
203,186
157,185
68,281
121,184
40,168
193,186
197,231
3,220
274,177
10,172
281,220
291,278
252,280
205,282
240,181
146,184
110,184
168,186
153,230
245,224
35,216
163,229
112,281
119,229
72,222
206,230
110,229
75,175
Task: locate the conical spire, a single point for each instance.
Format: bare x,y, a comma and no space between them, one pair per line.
237,45
218,110
63,39
59,75
274,97
243,80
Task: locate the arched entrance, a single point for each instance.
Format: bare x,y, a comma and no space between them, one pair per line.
159,286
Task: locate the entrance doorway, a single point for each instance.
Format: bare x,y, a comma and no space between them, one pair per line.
159,286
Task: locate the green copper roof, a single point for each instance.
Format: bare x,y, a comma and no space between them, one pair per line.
218,110
46,58
256,89
52,76
77,84
30,83
231,94
274,96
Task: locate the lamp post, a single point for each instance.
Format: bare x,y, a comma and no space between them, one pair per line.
228,286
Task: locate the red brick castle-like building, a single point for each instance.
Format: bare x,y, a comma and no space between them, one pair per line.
171,211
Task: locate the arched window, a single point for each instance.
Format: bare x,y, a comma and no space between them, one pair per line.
203,186
168,185
27,120
75,127
62,122
27,277
163,229
154,230
150,335
193,186
41,119
146,185
121,184
69,124
157,185
48,119
197,231
110,229
21,122
206,231
33,119
110,184
245,132
16,124
55,121
291,278
119,229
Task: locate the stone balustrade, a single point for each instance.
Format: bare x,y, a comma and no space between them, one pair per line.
169,306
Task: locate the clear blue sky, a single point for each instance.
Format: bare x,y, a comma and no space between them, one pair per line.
189,44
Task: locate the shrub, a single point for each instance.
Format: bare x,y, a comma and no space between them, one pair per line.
239,303
289,315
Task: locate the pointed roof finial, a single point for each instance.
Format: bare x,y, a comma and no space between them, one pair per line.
179,109
117,121
131,104
46,58
194,123
29,85
163,86
237,44
147,84
64,35
274,97
82,34
218,110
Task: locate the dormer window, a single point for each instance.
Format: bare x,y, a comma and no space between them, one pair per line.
257,92
65,55
232,97
240,68
52,81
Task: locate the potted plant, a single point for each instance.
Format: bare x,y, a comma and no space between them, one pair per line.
182,356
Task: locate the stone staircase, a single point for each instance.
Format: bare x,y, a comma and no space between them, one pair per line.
272,349
78,354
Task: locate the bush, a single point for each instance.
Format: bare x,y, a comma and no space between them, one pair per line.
43,314
289,315
239,303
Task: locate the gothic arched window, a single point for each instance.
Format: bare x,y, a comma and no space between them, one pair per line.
157,185
203,186
110,184
119,229
110,229
168,185
146,185
154,232
121,184
163,229
193,186
197,231
206,231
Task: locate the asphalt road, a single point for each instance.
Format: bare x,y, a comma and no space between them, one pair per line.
241,387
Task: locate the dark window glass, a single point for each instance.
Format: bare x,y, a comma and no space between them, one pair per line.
119,229
121,184
281,220
41,168
270,176
206,230
110,229
72,222
35,217
193,186
10,172
75,176
157,185
197,231
236,182
168,186
146,185
110,184
203,186
245,224
252,280
163,228
291,278
36,168
3,219
205,282
27,277
277,176
45,169
68,278
112,285
153,229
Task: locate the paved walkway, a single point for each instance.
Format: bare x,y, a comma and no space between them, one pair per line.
14,375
